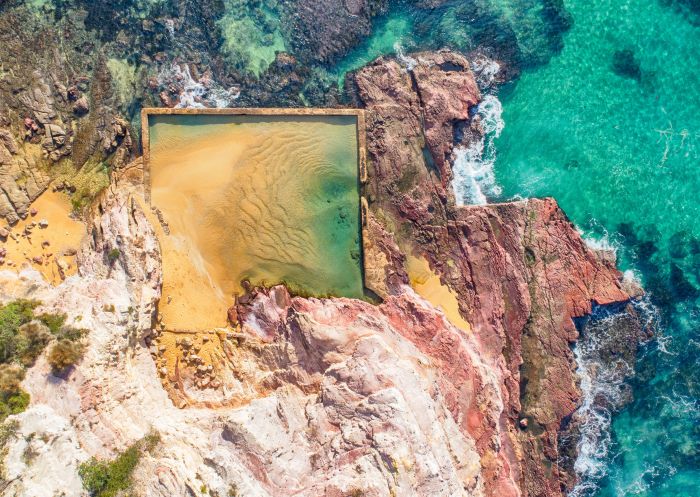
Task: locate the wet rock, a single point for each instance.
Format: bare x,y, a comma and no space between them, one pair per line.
81,106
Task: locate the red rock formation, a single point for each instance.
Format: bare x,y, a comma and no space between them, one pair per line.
445,97
520,270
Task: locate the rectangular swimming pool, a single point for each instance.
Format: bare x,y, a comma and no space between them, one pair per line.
266,196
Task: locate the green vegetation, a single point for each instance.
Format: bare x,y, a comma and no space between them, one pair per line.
23,337
13,399
88,181
115,477
113,255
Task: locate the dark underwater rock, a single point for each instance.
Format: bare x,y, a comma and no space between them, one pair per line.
324,30
625,64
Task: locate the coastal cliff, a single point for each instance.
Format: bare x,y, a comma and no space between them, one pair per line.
521,272
334,397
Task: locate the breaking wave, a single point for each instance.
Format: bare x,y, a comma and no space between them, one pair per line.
474,179
604,390
485,71
196,94
406,61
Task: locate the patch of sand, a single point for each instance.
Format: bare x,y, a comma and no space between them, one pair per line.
267,201
51,250
427,284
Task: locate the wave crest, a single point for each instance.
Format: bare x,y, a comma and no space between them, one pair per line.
474,178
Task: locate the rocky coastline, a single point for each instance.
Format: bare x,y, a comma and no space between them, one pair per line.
333,397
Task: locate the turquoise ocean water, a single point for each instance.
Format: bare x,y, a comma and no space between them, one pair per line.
605,117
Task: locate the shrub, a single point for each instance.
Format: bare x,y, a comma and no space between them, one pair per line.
64,354
54,321
32,339
23,337
11,375
14,404
12,316
13,399
111,478
113,255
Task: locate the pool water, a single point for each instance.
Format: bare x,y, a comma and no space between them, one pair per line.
265,199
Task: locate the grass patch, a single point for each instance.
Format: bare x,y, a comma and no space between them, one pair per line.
109,478
88,181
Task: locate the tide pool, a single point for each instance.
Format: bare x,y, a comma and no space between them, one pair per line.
267,199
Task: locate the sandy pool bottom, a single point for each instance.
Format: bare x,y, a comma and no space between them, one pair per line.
264,199
427,284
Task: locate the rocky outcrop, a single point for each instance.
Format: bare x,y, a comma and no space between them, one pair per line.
58,107
520,270
445,96
21,182
331,397
334,400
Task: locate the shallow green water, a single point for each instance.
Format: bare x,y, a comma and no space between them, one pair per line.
610,127
268,199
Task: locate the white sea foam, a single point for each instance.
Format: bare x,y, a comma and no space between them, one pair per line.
599,239
602,392
406,61
598,381
195,94
485,70
473,165
602,244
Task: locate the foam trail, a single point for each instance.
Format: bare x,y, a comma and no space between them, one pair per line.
473,164
485,70
603,392
406,61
